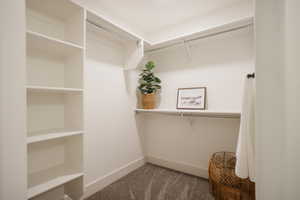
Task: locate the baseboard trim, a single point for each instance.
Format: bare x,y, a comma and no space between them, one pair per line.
182,167
115,175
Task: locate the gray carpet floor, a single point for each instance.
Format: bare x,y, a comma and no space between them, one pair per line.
151,182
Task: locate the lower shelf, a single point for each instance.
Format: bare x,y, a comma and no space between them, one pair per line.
66,197
45,187
50,135
203,113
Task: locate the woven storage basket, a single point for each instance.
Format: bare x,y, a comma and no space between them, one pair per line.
148,101
224,184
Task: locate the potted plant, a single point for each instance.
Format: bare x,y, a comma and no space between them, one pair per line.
149,84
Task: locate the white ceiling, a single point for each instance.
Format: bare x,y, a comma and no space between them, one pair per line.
161,20
149,16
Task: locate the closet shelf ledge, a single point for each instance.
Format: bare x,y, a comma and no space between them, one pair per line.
44,38
203,113
32,88
45,187
51,136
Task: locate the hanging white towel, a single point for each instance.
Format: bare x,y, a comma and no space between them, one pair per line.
245,148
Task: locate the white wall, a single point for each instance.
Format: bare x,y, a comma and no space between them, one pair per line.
292,98
12,101
270,139
111,140
277,66
220,63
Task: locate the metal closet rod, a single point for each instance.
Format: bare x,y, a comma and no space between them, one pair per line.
176,43
105,29
98,26
138,42
198,38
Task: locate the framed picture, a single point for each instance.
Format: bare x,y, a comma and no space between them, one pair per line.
191,98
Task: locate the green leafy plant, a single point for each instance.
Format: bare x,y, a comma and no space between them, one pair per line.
149,83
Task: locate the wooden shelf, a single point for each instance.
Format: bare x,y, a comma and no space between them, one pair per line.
52,89
39,137
45,37
42,188
51,45
203,113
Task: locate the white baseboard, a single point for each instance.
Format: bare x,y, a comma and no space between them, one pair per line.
182,167
115,175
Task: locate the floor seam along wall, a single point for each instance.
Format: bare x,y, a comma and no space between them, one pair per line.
179,166
113,176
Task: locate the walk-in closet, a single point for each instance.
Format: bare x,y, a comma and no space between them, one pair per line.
149,100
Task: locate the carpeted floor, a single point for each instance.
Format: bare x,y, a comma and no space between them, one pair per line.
151,182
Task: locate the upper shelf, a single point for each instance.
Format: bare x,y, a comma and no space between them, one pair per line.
134,44
232,25
106,24
61,19
53,46
203,113
32,88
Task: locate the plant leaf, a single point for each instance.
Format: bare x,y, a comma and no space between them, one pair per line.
157,80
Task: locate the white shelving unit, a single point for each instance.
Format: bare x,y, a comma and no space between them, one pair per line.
53,63
55,58
55,163
45,187
203,113
60,19
40,39
50,135
32,88
50,110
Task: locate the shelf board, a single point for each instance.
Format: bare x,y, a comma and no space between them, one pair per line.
96,18
51,135
204,113
66,197
41,42
232,25
45,187
32,88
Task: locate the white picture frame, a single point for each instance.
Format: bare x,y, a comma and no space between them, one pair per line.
193,98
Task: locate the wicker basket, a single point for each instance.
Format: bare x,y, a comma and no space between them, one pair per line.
224,184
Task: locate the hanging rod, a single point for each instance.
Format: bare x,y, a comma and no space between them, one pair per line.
107,30
98,26
198,38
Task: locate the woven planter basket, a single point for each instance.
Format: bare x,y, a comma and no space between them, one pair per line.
224,184
148,101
